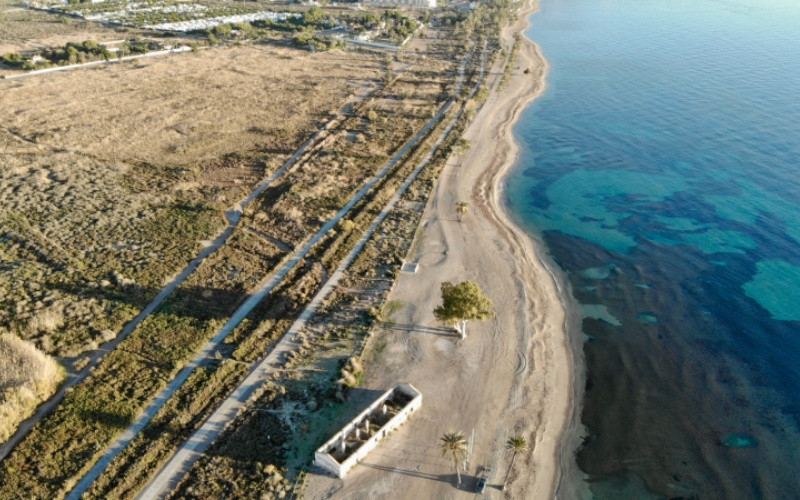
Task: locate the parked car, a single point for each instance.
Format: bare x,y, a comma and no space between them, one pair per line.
481,486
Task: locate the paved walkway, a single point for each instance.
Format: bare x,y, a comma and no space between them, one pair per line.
181,462
270,284
232,216
172,473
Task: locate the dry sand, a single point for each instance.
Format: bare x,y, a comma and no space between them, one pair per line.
516,374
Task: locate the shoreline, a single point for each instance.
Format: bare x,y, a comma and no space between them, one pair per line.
556,446
517,374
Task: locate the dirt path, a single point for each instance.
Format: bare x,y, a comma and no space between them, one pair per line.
271,282
512,375
181,462
37,72
232,216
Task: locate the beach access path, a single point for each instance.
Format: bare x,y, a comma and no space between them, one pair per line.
512,375
181,462
270,283
232,216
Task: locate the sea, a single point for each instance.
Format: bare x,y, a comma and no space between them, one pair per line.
660,171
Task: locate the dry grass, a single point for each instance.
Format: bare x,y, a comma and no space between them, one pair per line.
113,176
23,29
183,109
27,377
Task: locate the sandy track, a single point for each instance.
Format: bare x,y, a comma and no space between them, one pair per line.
216,422
513,374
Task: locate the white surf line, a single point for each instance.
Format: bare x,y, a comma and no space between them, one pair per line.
272,282
233,215
170,475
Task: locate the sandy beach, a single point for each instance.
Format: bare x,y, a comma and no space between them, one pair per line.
514,374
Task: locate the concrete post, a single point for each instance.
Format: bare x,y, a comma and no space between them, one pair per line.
358,433
384,409
366,425
344,445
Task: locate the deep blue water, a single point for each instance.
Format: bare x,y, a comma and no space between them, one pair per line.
662,171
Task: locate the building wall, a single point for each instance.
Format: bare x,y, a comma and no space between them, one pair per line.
322,457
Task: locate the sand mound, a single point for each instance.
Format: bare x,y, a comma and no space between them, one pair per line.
27,377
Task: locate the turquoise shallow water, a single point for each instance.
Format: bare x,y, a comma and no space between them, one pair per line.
662,171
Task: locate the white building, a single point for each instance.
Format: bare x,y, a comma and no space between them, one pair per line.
411,4
362,434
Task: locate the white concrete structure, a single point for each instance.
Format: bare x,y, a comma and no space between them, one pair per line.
200,24
411,4
362,434
410,267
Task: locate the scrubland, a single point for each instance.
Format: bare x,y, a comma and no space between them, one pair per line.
118,176
113,180
130,470
249,108
114,176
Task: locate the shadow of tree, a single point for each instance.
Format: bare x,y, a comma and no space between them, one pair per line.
117,420
201,303
468,482
432,330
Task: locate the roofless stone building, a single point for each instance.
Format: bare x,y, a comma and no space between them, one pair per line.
362,434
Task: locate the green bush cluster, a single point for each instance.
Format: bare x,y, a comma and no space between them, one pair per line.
316,42
17,61
140,46
78,53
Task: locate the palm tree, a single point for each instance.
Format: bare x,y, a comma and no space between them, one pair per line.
515,444
462,207
453,444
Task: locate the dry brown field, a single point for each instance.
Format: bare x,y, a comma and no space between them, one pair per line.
113,176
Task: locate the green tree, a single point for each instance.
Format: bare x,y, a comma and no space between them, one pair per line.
515,444
314,15
462,207
454,445
461,303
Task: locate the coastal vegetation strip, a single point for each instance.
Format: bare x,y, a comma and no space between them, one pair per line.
511,61
295,424
267,367
408,89
330,255
123,290
189,327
